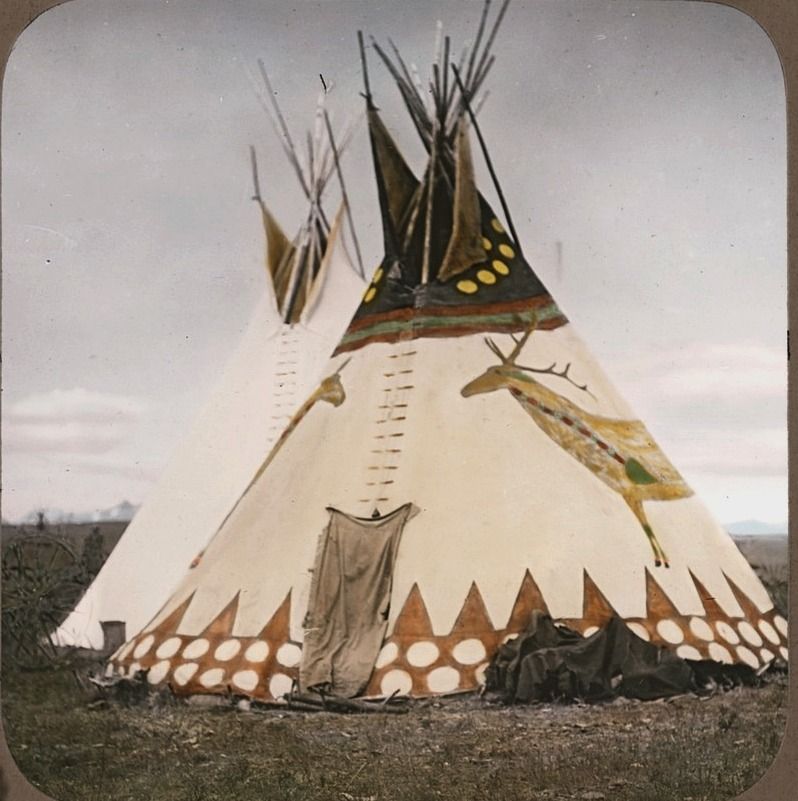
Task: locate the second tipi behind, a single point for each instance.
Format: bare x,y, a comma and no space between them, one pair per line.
313,288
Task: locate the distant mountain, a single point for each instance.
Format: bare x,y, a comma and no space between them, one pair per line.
122,512
756,527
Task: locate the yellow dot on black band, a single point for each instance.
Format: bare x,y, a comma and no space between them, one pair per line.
378,275
500,267
370,293
486,277
486,243
497,226
507,251
468,287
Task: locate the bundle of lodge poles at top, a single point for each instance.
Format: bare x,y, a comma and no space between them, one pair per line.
437,126
345,551
293,275
436,123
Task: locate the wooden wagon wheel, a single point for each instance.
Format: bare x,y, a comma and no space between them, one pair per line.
41,583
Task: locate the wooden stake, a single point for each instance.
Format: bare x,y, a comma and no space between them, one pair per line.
347,207
364,68
294,159
492,36
483,18
255,180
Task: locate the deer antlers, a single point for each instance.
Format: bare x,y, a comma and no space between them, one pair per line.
509,360
519,343
560,374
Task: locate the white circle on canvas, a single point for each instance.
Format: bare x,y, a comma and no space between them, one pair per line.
168,648
212,677
720,654
749,657
387,654
227,650
750,634
396,681
443,680
421,654
766,655
158,672
688,652
184,673
701,629
257,652
246,679
670,631
143,646
469,652
727,632
280,685
639,630
289,654
769,632
196,648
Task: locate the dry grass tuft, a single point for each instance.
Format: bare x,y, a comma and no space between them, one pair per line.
683,748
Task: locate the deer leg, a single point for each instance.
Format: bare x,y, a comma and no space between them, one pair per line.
636,506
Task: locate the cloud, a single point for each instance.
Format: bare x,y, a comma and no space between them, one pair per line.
70,421
717,408
761,452
726,371
713,371
75,405
137,472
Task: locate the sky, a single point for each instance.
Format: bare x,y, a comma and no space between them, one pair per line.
647,138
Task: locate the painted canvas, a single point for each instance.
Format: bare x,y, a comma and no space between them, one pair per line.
497,500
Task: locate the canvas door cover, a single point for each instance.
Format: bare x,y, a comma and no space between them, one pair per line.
349,598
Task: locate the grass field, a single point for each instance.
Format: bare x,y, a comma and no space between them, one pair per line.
75,534
464,749
685,748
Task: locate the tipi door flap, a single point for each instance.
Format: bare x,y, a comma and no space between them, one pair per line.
349,596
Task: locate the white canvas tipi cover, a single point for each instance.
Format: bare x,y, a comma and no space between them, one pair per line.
464,463
275,366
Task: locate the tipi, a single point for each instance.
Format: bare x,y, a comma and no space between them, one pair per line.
293,330
464,463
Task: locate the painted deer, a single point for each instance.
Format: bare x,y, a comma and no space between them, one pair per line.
331,391
622,453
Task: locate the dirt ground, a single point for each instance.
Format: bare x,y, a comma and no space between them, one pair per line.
684,748
457,749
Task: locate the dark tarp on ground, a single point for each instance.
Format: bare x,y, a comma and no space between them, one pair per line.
549,661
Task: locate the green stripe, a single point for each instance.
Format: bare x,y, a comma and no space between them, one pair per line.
503,318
